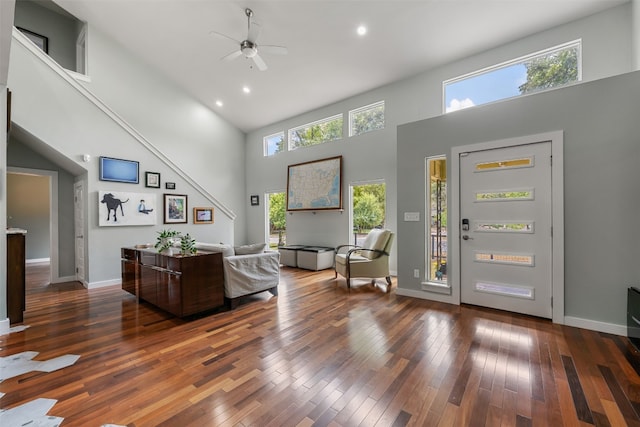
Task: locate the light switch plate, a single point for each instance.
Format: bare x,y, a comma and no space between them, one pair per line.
412,216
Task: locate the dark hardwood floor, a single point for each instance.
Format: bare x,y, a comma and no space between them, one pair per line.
316,355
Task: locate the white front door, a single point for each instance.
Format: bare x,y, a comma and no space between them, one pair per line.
78,190
506,228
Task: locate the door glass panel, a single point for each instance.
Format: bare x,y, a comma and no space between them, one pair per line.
503,258
501,196
504,164
505,290
436,262
504,226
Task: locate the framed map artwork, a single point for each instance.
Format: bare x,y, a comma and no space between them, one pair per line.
315,185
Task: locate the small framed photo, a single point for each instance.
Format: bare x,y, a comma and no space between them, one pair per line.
41,41
175,208
170,185
255,200
203,215
152,179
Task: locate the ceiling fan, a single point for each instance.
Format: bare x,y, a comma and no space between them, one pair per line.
249,46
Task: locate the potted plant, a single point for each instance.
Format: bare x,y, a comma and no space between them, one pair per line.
187,245
165,239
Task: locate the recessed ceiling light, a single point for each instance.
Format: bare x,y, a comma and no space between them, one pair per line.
362,30
246,89
219,103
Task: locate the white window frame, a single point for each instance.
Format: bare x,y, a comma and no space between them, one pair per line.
355,111
574,43
308,125
265,143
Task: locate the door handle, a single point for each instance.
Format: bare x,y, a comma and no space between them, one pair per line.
465,237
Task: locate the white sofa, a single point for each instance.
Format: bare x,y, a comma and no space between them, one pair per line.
248,269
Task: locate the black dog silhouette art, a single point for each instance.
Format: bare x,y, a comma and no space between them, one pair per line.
112,205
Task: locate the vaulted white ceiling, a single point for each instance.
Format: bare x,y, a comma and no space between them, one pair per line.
327,61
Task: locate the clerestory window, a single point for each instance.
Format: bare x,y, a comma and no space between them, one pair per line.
317,132
555,67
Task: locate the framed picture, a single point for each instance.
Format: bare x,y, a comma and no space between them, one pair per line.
255,200
170,185
118,208
203,215
175,208
41,41
152,179
119,170
315,185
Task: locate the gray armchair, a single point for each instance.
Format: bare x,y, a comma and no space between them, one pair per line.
371,260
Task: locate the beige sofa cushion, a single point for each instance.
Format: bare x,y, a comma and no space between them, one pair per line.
255,248
227,250
376,239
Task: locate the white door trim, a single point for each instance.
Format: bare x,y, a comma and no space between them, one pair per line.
53,215
557,202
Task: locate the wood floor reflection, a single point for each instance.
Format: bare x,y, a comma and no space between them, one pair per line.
316,355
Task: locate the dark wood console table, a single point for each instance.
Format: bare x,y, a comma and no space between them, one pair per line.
16,276
180,284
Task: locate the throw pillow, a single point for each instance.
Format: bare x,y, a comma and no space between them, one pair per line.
256,248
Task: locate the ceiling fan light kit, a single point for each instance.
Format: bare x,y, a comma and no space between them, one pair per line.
249,46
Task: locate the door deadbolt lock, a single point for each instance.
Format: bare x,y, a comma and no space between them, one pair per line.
465,224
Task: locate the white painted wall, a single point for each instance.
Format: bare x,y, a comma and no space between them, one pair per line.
49,107
199,141
607,51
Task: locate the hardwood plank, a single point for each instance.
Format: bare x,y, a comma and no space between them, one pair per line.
316,354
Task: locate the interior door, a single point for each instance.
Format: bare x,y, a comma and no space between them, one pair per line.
78,189
506,235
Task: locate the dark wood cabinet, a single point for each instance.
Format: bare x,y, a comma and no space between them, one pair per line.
16,277
180,284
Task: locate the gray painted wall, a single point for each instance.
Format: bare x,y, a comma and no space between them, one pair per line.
28,208
21,156
62,31
373,155
601,175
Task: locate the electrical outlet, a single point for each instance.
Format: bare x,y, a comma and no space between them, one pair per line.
416,273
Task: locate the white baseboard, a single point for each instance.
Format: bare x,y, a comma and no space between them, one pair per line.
63,279
102,284
594,325
38,261
424,295
4,326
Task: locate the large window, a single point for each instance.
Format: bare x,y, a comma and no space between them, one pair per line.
273,144
368,208
551,68
318,132
436,244
277,219
366,119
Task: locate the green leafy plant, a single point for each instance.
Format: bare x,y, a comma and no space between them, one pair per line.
165,239
187,244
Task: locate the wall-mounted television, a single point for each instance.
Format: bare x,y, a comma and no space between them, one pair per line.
119,170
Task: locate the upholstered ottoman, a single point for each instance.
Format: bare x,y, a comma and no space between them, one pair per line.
289,255
315,257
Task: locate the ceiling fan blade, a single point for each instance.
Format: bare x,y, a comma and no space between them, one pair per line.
254,32
277,50
233,55
259,62
217,34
